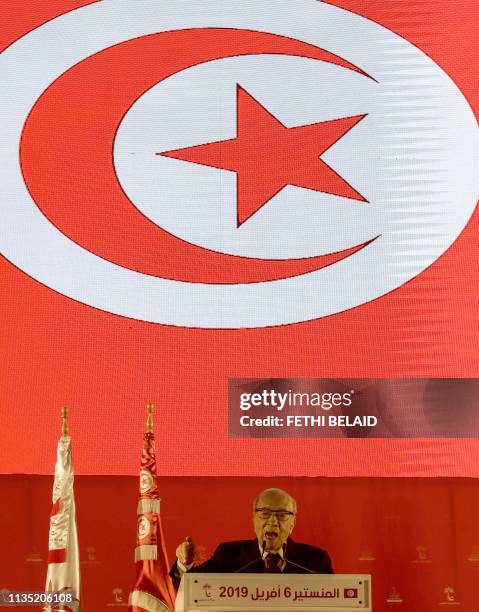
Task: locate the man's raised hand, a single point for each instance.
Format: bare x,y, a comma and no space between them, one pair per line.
186,552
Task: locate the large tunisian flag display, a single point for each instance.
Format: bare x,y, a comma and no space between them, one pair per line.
151,250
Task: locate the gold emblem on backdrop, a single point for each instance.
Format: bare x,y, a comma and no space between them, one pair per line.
394,597
422,555
118,599
449,597
366,555
34,556
90,557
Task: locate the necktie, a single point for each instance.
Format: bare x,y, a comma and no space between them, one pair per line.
271,563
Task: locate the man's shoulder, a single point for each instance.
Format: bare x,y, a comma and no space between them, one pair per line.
312,557
308,549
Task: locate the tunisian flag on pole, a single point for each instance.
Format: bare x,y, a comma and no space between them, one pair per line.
63,558
153,590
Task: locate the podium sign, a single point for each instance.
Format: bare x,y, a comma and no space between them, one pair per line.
278,592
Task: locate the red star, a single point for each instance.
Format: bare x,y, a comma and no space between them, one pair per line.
267,156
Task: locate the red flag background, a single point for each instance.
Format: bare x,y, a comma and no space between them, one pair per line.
105,367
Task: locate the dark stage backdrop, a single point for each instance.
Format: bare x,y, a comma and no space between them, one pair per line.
417,537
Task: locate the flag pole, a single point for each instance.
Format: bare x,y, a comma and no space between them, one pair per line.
63,572
65,429
149,421
153,590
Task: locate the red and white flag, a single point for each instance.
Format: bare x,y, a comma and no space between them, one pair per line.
153,590
63,558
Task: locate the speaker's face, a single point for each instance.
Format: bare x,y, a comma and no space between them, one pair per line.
273,519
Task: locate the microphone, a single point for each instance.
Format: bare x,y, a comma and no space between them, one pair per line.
306,570
243,567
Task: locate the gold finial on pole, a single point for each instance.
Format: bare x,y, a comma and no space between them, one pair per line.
149,420
65,421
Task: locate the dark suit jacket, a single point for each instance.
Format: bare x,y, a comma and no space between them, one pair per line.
244,555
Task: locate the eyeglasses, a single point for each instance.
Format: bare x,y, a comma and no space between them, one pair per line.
266,513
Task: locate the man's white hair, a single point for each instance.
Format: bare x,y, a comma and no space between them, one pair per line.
275,491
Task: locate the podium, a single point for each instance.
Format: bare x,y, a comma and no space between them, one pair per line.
274,592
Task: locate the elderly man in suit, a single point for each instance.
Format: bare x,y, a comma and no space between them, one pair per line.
272,551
